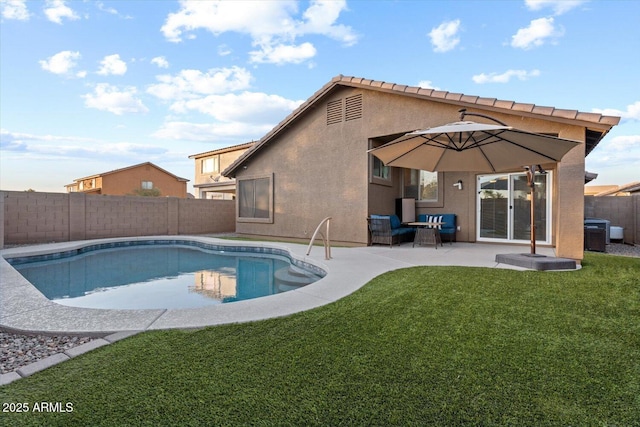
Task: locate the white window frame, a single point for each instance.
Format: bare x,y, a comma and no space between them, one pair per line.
147,185
549,211
210,162
427,203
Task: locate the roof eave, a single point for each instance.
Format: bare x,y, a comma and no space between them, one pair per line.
593,120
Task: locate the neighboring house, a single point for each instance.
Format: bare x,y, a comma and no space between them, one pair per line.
209,183
315,164
612,190
132,180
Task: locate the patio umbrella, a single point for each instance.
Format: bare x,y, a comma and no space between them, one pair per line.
472,147
467,146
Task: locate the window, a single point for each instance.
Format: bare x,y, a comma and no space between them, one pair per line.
147,185
210,164
379,169
421,185
379,173
255,199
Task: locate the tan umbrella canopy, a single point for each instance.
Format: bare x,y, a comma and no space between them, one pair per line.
475,147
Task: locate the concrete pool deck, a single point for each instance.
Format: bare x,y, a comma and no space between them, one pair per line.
23,307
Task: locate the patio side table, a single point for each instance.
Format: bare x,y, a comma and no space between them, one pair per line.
426,234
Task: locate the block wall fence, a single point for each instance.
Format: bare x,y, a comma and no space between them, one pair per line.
35,217
622,211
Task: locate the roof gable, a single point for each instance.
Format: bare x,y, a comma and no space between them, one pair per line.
132,167
223,150
600,122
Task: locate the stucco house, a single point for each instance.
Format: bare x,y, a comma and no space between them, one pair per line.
209,182
315,164
131,180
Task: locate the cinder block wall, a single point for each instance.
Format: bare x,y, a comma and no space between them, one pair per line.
198,217
34,217
622,211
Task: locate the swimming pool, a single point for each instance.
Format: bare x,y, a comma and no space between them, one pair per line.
167,274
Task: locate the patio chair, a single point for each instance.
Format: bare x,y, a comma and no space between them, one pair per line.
387,230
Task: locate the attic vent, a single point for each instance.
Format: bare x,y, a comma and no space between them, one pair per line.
353,107
334,112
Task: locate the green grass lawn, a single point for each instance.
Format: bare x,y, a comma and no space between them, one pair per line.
418,346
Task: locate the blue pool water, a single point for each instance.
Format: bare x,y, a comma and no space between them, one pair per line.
161,276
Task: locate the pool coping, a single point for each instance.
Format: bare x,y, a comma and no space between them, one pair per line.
23,307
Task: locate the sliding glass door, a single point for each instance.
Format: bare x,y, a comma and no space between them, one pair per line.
504,208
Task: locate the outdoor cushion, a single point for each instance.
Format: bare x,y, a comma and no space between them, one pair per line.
395,222
449,220
434,218
387,228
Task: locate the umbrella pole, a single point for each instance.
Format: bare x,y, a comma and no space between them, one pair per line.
531,181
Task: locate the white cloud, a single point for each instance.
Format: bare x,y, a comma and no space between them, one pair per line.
112,64
559,6
427,84
210,132
273,26
320,18
15,9
71,146
250,107
505,77
282,54
109,98
631,113
444,37
61,63
624,143
111,10
535,34
194,83
160,61
616,153
57,9
106,9
224,50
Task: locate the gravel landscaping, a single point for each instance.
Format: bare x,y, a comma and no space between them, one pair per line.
18,350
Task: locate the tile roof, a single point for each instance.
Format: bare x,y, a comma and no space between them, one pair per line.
594,118
626,188
130,167
598,121
224,150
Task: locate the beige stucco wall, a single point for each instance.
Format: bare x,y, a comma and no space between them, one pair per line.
318,171
323,170
213,178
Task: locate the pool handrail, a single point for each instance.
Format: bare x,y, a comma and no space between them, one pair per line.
325,240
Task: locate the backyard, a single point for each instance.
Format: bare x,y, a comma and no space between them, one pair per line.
416,346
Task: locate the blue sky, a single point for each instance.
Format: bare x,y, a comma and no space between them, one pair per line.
91,86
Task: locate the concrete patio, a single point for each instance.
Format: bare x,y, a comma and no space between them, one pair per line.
23,307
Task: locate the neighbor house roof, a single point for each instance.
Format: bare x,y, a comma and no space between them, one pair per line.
130,167
597,124
613,190
223,150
